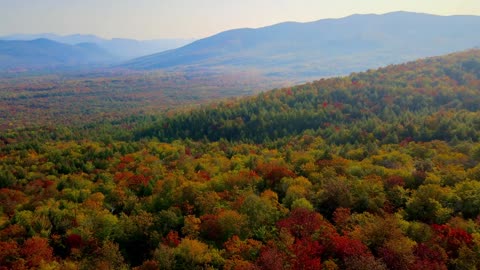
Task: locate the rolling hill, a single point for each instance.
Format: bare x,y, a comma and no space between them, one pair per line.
44,53
325,47
433,99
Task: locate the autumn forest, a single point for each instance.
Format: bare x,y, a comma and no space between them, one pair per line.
375,170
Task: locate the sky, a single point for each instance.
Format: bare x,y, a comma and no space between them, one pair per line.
154,19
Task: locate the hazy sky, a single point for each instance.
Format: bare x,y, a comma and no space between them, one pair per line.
150,19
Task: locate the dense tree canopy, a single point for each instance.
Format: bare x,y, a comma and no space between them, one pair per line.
378,170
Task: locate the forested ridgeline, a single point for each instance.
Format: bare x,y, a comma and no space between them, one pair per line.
435,98
378,170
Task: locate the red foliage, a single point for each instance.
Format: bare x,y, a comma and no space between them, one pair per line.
451,239
242,179
210,227
419,176
38,185
9,199
204,175
430,265
273,173
393,181
430,257
127,159
126,162
172,239
341,216
9,253
13,232
237,204
138,180
356,83
35,250
345,247
227,195
122,176
187,208
306,254
272,258
392,259
74,241
405,141
302,223
148,265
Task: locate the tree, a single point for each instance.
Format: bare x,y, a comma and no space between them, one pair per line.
223,225
10,199
451,239
306,254
241,254
430,203
193,254
9,254
36,251
468,201
302,223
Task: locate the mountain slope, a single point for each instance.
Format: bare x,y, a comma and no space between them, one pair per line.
41,53
121,48
325,47
435,98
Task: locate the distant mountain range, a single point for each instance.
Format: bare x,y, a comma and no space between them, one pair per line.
325,47
48,54
299,51
120,48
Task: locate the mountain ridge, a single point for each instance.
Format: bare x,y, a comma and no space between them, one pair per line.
122,48
45,53
324,47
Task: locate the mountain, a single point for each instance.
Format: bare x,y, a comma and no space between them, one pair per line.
121,48
129,48
325,47
45,53
69,39
432,99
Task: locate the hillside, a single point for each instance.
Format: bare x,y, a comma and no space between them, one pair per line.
377,170
391,104
325,47
44,53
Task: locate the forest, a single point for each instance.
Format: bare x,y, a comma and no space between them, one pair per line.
375,170
83,97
